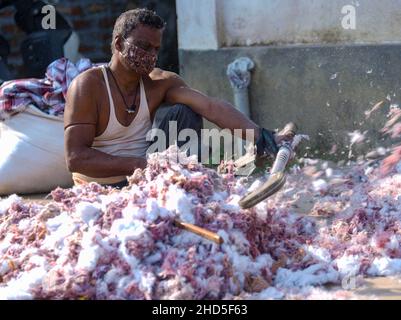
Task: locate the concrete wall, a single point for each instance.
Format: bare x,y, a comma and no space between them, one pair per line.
210,24
197,24
249,22
324,89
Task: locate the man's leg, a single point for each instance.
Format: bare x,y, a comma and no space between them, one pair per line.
183,118
118,185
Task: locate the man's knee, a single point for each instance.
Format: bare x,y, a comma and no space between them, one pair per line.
187,113
184,117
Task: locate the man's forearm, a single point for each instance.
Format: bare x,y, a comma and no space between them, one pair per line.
97,164
226,116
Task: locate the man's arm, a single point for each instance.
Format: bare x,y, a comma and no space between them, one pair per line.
220,112
80,119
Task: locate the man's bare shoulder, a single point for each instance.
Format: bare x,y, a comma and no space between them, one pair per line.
160,74
91,78
83,93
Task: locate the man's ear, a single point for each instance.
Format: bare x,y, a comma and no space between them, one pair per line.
118,43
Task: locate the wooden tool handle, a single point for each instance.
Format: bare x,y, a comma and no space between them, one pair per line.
212,236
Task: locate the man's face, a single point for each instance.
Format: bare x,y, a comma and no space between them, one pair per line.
140,49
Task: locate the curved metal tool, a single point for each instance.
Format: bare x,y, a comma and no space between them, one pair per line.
272,185
277,175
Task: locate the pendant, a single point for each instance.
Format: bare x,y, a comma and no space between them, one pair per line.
130,111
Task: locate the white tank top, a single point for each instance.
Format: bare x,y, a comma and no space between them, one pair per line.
119,140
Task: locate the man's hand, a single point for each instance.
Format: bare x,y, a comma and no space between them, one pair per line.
288,133
267,144
283,137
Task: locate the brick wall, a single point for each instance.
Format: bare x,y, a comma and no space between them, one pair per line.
92,20
13,35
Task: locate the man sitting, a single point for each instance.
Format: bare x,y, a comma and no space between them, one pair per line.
110,109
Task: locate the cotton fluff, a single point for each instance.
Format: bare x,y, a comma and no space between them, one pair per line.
5,203
348,265
90,251
385,266
314,275
320,185
177,200
87,211
18,288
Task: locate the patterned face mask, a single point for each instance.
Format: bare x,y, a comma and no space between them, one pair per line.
139,60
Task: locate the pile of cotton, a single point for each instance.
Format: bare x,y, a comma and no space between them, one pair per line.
92,242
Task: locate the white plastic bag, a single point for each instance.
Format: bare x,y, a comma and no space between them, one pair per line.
32,153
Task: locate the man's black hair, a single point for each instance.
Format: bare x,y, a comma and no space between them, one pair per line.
130,19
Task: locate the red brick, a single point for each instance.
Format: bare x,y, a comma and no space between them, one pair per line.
85,49
95,7
106,48
81,24
5,13
98,36
9,28
14,55
106,23
75,11
107,36
63,10
14,42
